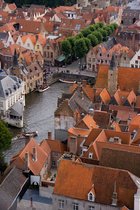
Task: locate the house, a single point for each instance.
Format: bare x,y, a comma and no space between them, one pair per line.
12,100
131,13
51,50
31,74
33,160
56,149
12,188
135,61
129,36
88,187
102,54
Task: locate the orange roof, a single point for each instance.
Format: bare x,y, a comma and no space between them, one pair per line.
105,96
29,36
34,166
102,178
78,132
128,78
135,123
87,122
64,8
102,77
53,146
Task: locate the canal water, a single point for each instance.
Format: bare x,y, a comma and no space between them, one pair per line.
39,111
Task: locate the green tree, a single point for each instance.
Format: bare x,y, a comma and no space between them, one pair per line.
93,39
72,41
88,43
80,48
114,25
79,35
104,33
99,25
108,30
92,28
86,32
98,36
5,137
66,48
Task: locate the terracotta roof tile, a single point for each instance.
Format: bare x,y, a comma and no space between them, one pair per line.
34,166
53,146
102,178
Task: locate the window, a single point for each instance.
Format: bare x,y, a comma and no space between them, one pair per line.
132,65
61,204
75,206
51,54
90,197
28,44
90,155
136,61
91,208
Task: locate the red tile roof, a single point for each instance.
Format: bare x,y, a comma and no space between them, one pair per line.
71,174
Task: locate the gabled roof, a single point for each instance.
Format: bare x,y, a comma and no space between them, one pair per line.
101,118
105,96
117,158
128,78
34,166
78,132
49,145
103,178
10,187
87,122
92,136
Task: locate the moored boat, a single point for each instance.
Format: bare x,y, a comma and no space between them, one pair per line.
43,88
67,81
31,134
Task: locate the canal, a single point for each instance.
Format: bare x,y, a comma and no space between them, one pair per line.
39,111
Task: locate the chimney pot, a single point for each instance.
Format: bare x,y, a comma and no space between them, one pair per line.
49,135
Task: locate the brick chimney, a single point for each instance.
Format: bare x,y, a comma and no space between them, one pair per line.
26,158
34,154
49,135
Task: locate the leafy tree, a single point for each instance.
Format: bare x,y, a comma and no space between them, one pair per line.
108,30
93,39
86,32
98,36
88,43
5,137
72,41
78,36
104,34
115,25
92,28
99,25
66,48
80,48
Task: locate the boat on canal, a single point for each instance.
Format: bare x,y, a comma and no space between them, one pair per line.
42,88
67,81
30,134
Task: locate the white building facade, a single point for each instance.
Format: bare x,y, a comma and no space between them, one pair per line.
12,100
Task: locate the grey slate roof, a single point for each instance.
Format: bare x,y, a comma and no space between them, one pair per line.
80,100
8,85
17,109
11,187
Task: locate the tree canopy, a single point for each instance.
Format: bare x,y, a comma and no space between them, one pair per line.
77,46
48,3
5,137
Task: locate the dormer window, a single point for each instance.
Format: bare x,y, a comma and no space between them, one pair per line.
90,156
91,196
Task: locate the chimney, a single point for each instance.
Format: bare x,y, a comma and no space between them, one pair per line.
84,83
26,157
49,135
34,155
